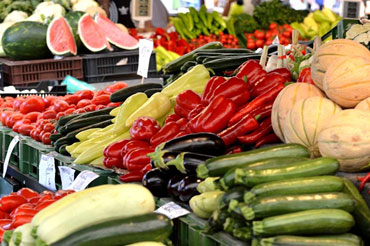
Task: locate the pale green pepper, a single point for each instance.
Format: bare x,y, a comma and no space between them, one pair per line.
205,204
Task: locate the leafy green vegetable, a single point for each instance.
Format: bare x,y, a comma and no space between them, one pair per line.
244,23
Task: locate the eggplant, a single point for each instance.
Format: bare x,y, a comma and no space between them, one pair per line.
156,181
173,186
187,162
202,143
188,187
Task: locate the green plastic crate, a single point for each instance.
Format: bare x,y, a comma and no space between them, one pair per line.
14,157
3,131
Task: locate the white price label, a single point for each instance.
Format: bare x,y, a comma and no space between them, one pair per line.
67,175
172,210
83,180
276,40
145,51
11,147
47,172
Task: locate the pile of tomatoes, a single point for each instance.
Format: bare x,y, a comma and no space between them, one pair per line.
228,40
36,117
261,37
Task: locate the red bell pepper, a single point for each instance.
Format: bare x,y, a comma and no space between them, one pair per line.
4,222
252,71
62,193
271,138
137,159
34,200
305,76
4,215
235,89
172,117
254,81
182,123
27,193
210,87
11,202
234,149
44,204
23,206
134,176
134,144
283,72
260,110
253,137
111,162
266,97
144,128
25,211
180,134
245,125
167,132
195,112
18,220
271,80
114,149
181,111
188,99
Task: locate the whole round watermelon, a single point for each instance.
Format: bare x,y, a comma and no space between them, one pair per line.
73,18
26,41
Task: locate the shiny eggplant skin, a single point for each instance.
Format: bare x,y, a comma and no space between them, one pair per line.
173,184
156,181
188,187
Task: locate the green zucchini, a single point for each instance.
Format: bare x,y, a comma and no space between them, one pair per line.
147,227
243,233
305,241
151,92
297,186
346,236
236,193
277,205
224,50
315,167
216,221
104,111
218,166
65,119
54,137
223,64
83,122
175,65
72,135
362,211
62,150
233,223
309,222
185,67
227,181
122,94
62,141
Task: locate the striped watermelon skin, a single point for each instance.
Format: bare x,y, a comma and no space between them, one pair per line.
73,18
26,41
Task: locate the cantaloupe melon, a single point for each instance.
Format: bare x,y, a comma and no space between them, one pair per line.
364,105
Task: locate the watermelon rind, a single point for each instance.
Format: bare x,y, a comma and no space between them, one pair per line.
50,46
26,41
73,18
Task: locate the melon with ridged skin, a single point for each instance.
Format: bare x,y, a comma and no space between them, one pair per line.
305,120
346,137
286,100
364,105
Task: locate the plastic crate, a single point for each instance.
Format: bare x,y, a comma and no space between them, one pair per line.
114,66
34,71
3,131
57,90
14,157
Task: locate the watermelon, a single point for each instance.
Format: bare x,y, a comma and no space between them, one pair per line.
26,41
116,35
92,36
73,18
60,38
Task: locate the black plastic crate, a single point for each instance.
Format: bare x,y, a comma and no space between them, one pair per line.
114,66
57,90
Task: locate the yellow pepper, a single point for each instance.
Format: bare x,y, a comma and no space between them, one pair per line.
98,161
82,136
114,112
72,147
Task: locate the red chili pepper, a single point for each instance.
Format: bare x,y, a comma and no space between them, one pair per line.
364,181
245,125
4,215
283,72
257,111
134,144
264,98
360,178
27,193
271,138
249,69
134,176
182,123
114,149
234,149
137,158
167,132
264,114
110,162
44,204
11,202
172,117
210,87
232,89
253,137
271,79
144,128
188,100
305,76
19,220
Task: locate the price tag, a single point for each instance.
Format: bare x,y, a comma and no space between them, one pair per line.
172,210
83,180
276,40
47,172
12,144
145,51
67,176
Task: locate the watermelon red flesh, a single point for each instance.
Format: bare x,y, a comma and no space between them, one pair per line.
116,35
60,38
92,35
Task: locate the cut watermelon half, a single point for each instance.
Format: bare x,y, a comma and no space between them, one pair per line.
92,36
59,38
116,35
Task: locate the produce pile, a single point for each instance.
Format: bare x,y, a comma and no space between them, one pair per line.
19,208
88,219
359,33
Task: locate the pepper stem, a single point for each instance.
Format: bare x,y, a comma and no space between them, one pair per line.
178,162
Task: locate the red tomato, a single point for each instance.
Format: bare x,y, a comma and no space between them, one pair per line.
86,94
17,103
259,43
60,105
268,42
101,100
83,103
99,93
60,114
49,114
7,105
32,133
250,36
286,34
48,127
251,45
25,129
115,87
4,116
36,135
114,105
32,104
32,116
27,193
49,100
259,34
70,110
273,26
80,111
89,108
12,119
19,123
71,99
45,138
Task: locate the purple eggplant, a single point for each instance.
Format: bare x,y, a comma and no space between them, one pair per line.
188,187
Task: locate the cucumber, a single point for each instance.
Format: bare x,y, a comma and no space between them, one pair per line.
147,227
305,241
362,211
184,68
310,222
228,179
151,92
297,186
236,193
122,94
83,122
218,166
54,137
72,135
315,167
231,63
175,65
277,205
